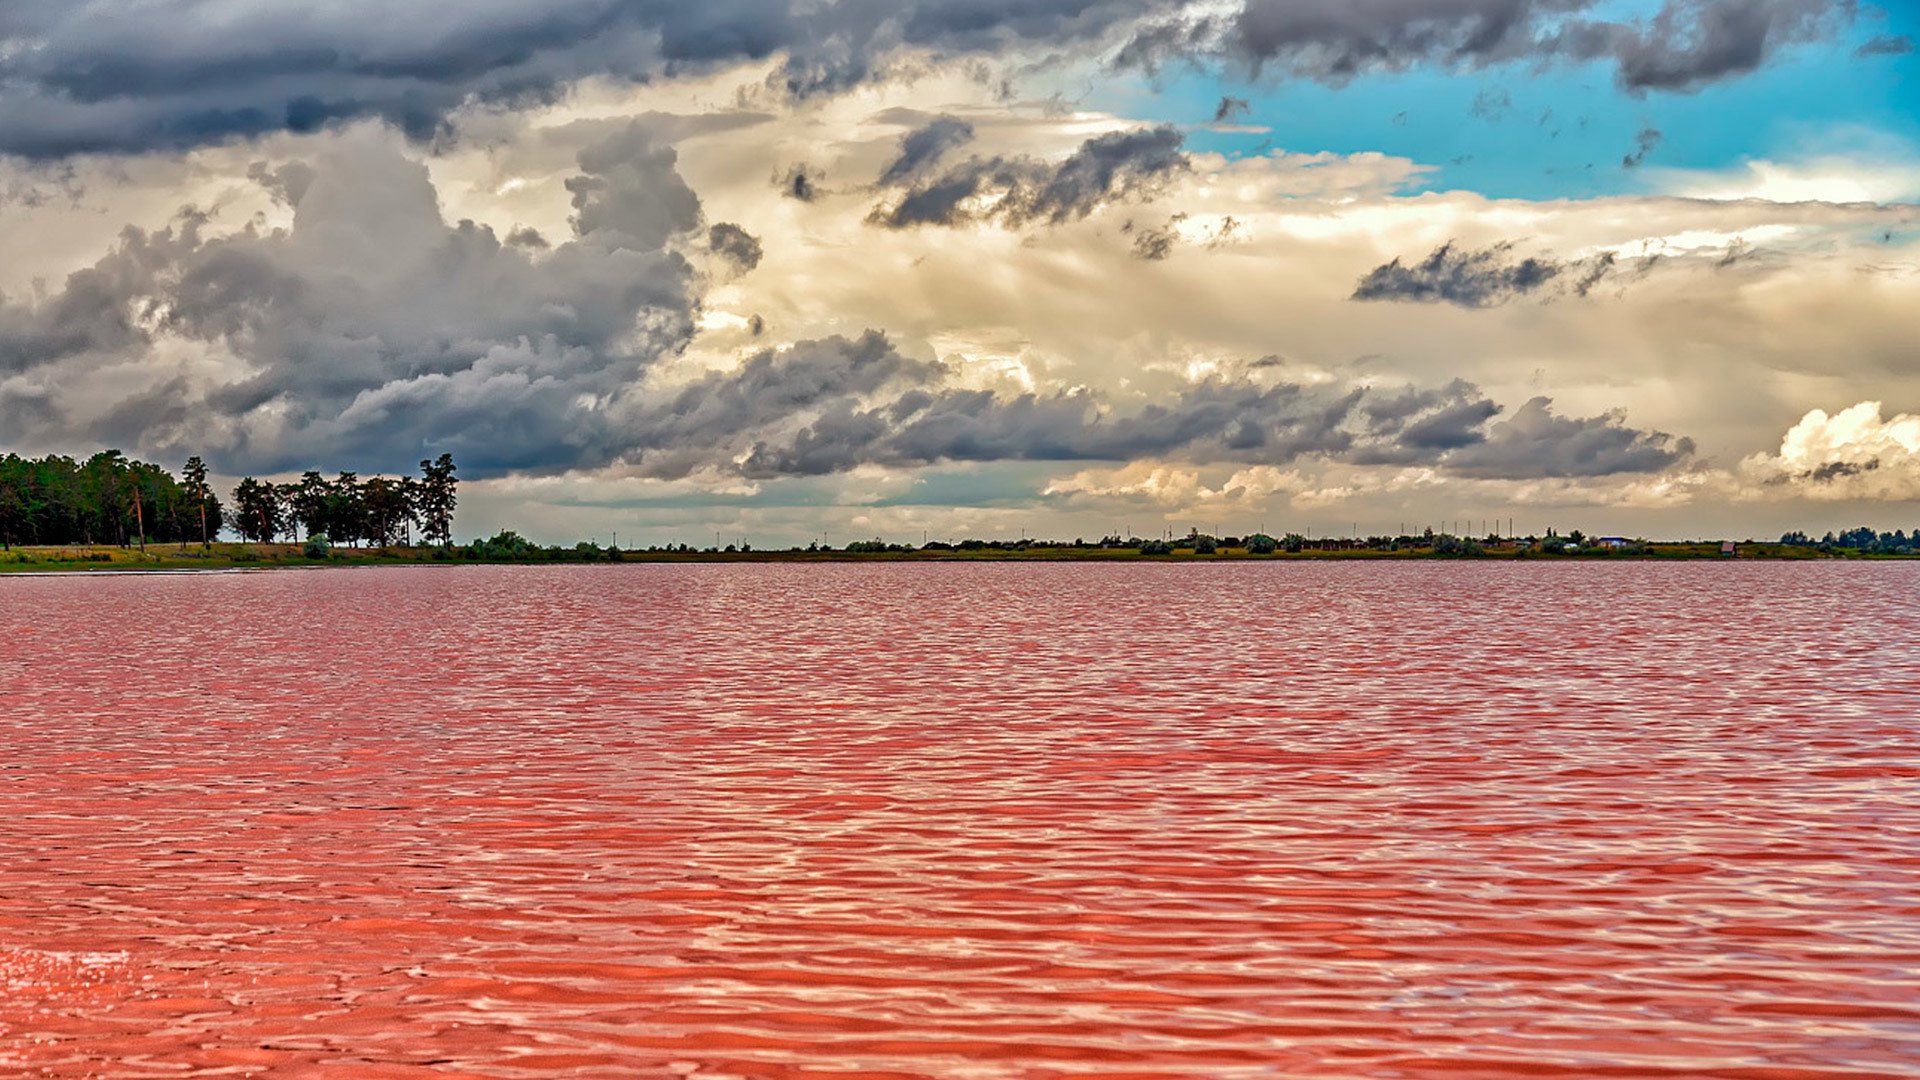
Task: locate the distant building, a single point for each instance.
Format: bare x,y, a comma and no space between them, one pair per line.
1613,541
1729,549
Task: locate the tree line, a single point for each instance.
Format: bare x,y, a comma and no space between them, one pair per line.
106,499
379,510
112,499
1862,539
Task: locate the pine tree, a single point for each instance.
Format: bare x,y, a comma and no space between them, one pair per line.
195,474
437,499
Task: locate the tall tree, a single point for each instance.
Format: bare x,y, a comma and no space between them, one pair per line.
139,516
386,506
346,509
13,502
410,495
103,483
290,508
437,499
195,474
309,503
258,508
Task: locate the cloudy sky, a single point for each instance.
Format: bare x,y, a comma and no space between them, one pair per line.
777,269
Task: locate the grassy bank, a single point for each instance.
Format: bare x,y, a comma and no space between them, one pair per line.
223,556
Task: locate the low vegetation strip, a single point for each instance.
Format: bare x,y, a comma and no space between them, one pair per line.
110,512
509,548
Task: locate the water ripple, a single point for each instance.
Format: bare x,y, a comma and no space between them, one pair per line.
973,822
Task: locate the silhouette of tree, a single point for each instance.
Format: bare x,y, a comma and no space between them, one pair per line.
195,475
437,499
258,508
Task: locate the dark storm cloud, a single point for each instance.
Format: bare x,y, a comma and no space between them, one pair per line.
1416,425
1213,421
1452,420
1023,190
827,406
174,74
1684,45
101,309
372,331
27,408
177,74
1478,279
1534,444
88,316
923,147
1691,43
708,423
736,245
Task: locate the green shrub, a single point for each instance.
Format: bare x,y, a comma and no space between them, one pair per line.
507,544
1454,547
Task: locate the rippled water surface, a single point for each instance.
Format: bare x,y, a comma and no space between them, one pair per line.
1305,820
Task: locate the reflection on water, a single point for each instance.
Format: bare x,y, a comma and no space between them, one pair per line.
963,821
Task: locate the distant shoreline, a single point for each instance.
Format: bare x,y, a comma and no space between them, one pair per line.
188,558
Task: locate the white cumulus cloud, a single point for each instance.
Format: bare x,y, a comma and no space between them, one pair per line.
1854,454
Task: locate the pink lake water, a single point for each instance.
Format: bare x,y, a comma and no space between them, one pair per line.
964,821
